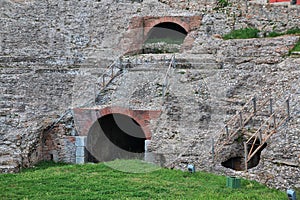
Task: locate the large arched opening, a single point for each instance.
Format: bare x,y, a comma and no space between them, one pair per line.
115,136
165,37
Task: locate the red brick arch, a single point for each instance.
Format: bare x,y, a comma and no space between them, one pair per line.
151,22
85,118
133,39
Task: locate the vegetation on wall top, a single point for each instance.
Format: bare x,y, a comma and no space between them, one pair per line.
243,33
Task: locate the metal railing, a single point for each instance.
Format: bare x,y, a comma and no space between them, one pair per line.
165,85
236,125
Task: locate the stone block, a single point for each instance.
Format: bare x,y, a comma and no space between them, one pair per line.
80,141
147,143
80,160
80,152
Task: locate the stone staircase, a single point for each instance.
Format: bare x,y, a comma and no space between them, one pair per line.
191,111
139,84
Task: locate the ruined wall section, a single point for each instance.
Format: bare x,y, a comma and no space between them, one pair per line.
69,32
218,19
51,56
30,100
192,117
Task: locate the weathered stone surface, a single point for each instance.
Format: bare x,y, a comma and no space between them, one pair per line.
52,55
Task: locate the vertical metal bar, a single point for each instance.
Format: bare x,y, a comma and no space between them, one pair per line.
246,156
241,120
271,106
260,136
213,149
112,71
174,62
254,104
103,80
227,131
274,121
288,107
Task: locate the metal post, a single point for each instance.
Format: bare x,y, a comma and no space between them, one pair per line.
254,105
112,71
174,62
241,120
260,136
103,80
227,131
271,106
213,149
274,120
288,107
246,156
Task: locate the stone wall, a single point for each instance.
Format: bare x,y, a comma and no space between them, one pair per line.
222,19
52,54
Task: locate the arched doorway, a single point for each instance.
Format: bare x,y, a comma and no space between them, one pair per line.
165,37
115,136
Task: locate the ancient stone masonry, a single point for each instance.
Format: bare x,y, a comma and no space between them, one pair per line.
56,84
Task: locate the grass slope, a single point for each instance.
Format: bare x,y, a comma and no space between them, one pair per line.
98,181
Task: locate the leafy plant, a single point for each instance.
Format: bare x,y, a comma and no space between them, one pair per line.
223,3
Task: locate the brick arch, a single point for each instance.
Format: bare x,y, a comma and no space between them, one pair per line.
140,117
85,118
150,23
133,40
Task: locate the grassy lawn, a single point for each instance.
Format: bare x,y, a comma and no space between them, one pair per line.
98,181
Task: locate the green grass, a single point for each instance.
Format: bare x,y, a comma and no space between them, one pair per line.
296,47
244,33
295,31
98,181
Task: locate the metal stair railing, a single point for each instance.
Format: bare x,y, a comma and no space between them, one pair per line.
166,84
235,124
262,135
238,122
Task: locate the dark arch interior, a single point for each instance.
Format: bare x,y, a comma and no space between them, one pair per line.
238,163
167,31
123,132
115,136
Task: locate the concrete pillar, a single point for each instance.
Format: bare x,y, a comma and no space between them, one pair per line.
80,144
148,157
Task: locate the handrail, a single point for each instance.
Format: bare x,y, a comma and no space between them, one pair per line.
165,83
234,120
